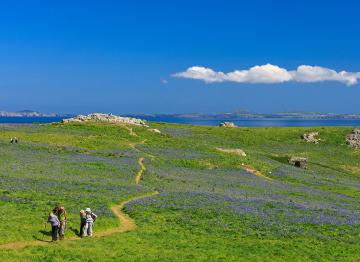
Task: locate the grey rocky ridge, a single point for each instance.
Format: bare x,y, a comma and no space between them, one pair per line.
353,139
109,118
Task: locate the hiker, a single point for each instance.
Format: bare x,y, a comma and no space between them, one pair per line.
60,212
16,140
90,219
54,221
82,222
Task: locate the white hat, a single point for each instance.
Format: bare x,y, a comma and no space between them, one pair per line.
87,209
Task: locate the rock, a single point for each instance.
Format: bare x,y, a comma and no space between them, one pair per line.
109,118
311,137
300,162
236,151
227,124
155,130
353,139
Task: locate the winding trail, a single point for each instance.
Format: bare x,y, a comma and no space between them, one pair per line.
255,172
141,171
131,132
247,168
126,222
134,145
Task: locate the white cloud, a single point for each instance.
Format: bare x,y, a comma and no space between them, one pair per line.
270,74
260,74
309,74
202,73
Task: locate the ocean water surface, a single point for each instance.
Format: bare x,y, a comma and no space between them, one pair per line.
248,122
258,122
29,120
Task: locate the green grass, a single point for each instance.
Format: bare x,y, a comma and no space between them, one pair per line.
208,209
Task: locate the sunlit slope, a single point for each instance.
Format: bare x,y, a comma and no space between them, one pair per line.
210,205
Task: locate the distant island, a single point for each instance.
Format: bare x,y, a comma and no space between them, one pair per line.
249,115
220,116
30,113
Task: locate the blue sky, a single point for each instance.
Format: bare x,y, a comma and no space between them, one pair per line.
120,56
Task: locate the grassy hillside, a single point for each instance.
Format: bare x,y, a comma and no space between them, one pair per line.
208,207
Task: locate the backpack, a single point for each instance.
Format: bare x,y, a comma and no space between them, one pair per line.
93,216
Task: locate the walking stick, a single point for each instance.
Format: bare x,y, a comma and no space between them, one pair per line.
43,233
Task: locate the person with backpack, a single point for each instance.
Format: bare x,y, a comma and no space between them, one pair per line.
90,219
60,212
54,221
82,222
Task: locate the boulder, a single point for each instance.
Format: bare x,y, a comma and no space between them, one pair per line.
109,118
353,139
236,151
227,124
154,130
311,137
300,162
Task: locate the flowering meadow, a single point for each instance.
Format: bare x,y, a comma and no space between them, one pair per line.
210,206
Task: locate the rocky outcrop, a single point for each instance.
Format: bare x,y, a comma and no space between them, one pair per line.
353,139
297,161
236,151
108,118
311,137
227,124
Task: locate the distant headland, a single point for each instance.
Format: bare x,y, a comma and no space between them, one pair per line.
31,113
222,116
250,115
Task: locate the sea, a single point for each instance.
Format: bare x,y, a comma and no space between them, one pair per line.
246,122
29,120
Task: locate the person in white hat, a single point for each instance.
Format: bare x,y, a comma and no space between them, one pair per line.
90,219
